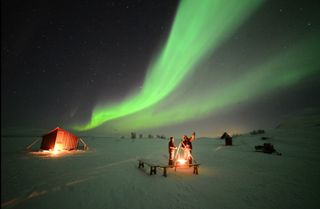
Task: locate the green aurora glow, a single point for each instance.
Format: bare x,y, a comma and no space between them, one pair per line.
198,29
283,70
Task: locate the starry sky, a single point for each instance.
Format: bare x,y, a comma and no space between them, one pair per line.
161,67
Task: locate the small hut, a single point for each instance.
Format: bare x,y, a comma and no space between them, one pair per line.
59,139
228,139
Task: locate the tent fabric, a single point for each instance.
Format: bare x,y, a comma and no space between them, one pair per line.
59,138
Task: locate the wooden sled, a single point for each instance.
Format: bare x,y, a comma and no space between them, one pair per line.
153,166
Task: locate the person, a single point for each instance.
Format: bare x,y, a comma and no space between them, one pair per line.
171,148
187,146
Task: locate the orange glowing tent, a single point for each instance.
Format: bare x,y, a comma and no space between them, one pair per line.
59,139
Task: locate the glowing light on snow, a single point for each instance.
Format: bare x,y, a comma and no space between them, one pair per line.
199,27
57,148
181,161
56,153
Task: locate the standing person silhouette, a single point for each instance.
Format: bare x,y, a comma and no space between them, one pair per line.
171,148
187,146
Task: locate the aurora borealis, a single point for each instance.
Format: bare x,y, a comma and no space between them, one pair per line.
197,29
158,66
283,70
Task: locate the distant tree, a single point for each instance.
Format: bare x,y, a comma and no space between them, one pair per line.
122,137
259,131
158,136
133,135
150,136
140,136
254,132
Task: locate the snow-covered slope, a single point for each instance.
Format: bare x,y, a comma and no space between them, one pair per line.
107,176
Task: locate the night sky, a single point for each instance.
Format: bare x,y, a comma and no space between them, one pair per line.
161,67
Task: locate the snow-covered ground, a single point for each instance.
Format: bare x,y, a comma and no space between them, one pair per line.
107,176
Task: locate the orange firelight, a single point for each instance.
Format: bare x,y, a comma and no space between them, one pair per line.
181,161
57,148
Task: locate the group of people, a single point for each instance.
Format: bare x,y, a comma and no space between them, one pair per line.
186,146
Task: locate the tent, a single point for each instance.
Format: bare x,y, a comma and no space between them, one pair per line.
59,139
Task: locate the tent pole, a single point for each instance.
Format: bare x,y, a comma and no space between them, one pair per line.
84,144
177,153
35,141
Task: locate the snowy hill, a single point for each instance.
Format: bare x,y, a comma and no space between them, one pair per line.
107,176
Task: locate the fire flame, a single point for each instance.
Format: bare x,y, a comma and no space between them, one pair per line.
181,161
57,148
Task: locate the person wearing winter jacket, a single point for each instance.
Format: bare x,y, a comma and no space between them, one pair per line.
171,149
187,146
